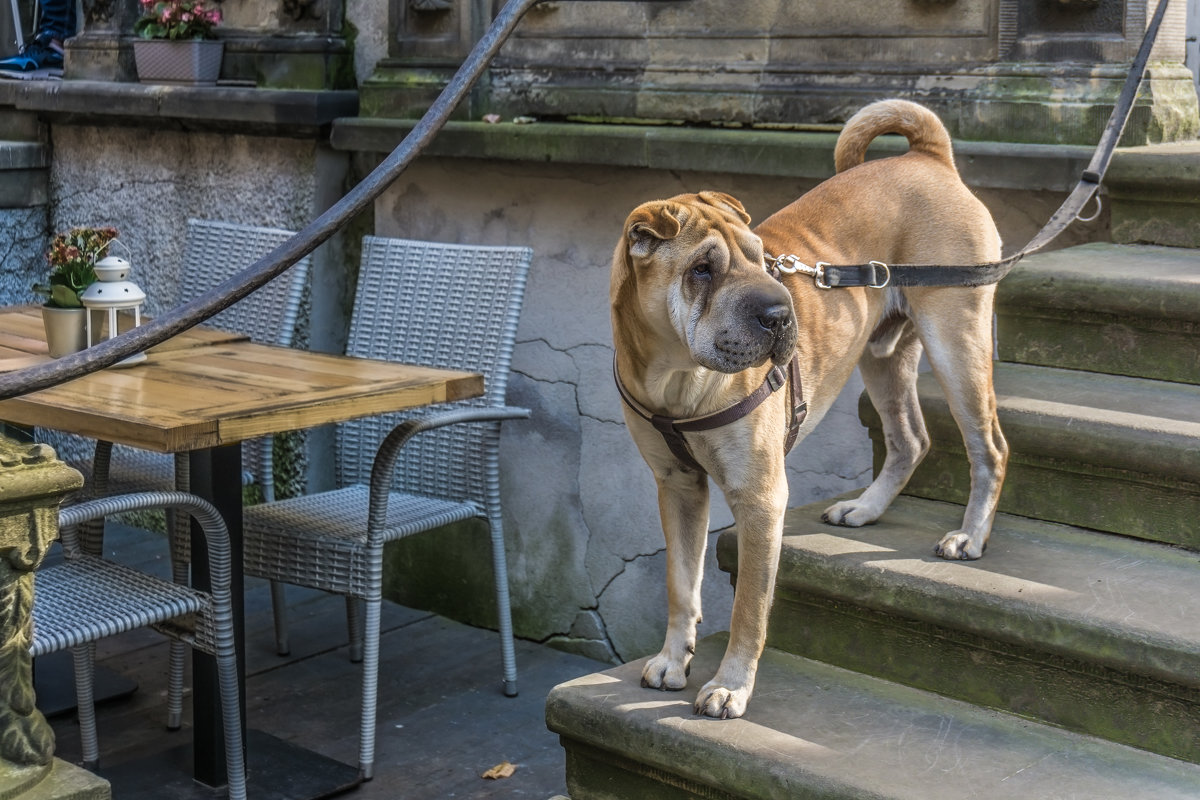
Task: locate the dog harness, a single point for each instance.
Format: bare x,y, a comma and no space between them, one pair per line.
673,428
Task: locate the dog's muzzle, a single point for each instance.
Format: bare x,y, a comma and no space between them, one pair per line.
755,325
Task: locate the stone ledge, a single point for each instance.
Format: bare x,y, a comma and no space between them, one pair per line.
790,153
1055,623
1118,309
1107,452
23,155
1155,192
1120,603
813,730
230,109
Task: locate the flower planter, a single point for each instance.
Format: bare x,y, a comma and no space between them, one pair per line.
188,62
66,330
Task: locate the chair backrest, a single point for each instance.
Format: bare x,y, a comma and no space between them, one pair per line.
215,251
437,305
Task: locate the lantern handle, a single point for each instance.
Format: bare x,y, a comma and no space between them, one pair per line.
111,242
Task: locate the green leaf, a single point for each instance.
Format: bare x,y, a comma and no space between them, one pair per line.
64,297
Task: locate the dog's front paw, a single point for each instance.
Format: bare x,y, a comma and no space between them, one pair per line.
721,702
850,514
663,672
960,545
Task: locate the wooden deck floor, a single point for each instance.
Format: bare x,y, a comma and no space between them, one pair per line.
443,719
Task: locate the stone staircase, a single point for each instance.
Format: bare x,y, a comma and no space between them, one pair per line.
1065,663
24,204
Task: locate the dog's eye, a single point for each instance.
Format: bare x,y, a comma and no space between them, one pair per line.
702,270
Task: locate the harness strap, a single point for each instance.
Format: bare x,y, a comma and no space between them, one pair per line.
672,429
877,275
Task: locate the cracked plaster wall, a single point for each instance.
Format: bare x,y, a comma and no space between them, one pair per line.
586,558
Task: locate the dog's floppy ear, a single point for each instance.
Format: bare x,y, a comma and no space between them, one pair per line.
651,223
727,203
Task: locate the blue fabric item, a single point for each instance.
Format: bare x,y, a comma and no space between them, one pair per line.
57,22
36,55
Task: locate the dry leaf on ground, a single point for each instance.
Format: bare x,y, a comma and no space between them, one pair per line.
501,770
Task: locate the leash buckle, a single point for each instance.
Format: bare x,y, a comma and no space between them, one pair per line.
887,275
776,379
819,277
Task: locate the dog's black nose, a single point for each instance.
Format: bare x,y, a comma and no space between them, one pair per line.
775,317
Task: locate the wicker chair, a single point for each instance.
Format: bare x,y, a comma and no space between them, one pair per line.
441,305
213,252
84,598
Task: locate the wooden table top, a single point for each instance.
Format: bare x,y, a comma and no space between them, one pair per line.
23,339
206,388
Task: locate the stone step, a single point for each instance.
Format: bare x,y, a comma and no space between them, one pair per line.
1107,452
1098,634
1119,309
24,174
817,731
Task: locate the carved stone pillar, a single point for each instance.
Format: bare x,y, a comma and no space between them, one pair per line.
1043,71
430,39
32,484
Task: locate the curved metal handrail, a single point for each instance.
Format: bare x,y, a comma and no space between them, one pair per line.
306,240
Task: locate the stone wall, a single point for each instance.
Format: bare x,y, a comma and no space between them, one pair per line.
994,70
147,184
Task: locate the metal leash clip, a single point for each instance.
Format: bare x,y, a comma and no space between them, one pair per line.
790,265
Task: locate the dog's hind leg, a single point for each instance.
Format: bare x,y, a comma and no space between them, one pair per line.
891,380
683,507
959,347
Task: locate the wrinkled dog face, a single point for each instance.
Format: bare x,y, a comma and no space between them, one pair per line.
707,269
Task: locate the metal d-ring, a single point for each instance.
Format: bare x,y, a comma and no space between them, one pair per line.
1099,206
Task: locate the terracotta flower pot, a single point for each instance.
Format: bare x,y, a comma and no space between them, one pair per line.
188,62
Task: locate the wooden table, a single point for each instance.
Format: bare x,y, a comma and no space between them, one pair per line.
204,392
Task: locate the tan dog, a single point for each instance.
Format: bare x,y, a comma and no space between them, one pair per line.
698,322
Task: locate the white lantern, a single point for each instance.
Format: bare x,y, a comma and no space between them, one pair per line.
112,293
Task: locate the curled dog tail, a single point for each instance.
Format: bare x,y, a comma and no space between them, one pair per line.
924,131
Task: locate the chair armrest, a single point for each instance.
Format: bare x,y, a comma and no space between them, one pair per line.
385,456
211,523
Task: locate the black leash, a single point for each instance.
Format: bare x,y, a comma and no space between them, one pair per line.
877,275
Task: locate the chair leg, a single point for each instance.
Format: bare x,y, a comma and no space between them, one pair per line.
370,687
178,526
283,646
85,701
508,655
176,655
235,764
354,624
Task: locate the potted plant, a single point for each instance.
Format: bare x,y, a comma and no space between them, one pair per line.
177,42
72,257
